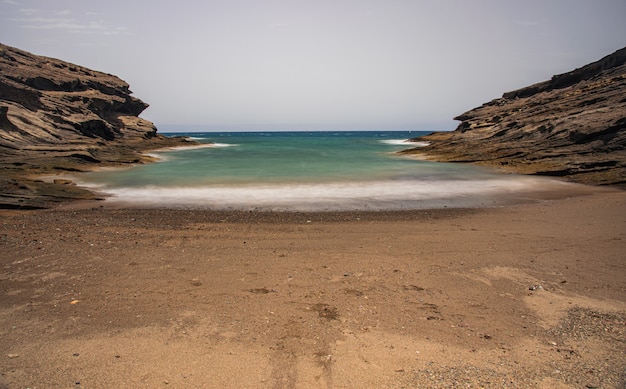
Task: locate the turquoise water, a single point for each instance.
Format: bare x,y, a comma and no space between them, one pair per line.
302,171
283,157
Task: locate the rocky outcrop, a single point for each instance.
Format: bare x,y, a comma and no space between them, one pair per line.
56,116
572,126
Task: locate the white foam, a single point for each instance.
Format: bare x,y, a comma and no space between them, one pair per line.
331,196
405,142
183,148
161,154
401,142
224,144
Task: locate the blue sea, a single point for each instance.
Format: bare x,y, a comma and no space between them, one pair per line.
306,171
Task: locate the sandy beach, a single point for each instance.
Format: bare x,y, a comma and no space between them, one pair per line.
530,295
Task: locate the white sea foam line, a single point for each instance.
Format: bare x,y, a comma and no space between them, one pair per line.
405,142
329,194
402,142
161,154
224,144
183,148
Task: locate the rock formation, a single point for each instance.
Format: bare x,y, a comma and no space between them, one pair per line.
56,116
572,126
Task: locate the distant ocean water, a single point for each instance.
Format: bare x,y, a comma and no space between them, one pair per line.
306,171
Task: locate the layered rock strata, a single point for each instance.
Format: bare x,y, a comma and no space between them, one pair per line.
59,117
572,126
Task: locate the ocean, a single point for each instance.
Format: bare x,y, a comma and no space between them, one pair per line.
307,171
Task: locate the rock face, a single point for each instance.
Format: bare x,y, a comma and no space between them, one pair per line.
573,126
56,116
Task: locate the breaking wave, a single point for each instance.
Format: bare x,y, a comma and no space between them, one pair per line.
376,195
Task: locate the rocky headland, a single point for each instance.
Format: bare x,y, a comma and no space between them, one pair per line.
58,117
572,126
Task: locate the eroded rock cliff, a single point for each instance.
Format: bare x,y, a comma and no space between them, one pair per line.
56,116
573,126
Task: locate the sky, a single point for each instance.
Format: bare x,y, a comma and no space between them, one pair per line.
317,65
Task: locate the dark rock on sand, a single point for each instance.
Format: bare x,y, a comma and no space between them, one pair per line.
59,117
572,126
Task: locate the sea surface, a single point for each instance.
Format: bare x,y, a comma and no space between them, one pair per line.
307,171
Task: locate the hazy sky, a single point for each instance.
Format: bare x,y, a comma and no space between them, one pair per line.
340,64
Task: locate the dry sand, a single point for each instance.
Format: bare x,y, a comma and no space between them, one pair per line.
523,296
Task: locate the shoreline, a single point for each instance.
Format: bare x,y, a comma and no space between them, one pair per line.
528,295
336,196
38,188
40,182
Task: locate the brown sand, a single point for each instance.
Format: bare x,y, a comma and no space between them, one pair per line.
521,296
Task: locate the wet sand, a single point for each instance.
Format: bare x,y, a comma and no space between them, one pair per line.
530,295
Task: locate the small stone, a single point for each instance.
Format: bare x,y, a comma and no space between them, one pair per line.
13,356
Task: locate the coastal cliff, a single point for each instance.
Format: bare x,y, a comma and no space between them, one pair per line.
572,126
59,117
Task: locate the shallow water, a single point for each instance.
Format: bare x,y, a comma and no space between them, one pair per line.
304,171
